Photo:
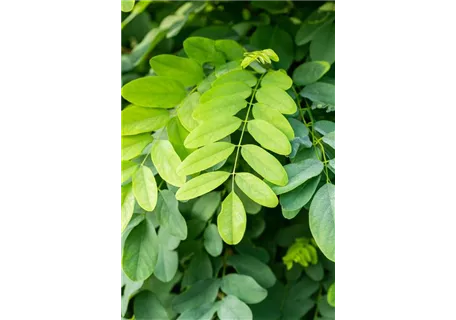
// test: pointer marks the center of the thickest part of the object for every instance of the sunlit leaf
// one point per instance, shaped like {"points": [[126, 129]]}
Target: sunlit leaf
{"points": [[201, 185], [269, 137], [232, 220], [256, 189]]}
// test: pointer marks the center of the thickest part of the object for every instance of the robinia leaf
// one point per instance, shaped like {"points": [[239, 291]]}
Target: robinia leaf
{"points": [[269, 137], [168, 215], [200, 49], [322, 46], [140, 251], [204, 207], [128, 168], [332, 295], [322, 220], [239, 89], [232, 220], [212, 131], [310, 72], [184, 70], [299, 197], [234, 309], [200, 268], [128, 204], [147, 306], [251, 266], [264, 164], [212, 241], [132, 146], [204, 291], [185, 111], [127, 5], [138, 120], [330, 139], [320, 92], [145, 188], [154, 92], [203, 312], [276, 98], [256, 189], [177, 135], [278, 79], [264, 112], [235, 76], [244, 287], [166, 161], [231, 49], [311, 25], [167, 264], [219, 107], [201, 185]]}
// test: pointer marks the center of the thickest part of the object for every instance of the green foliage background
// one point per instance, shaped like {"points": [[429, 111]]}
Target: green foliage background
{"points": [[197, 125]]}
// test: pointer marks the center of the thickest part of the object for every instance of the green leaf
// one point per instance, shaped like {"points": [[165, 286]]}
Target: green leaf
{"points": [[311, 25], [250, 206], [237, 76], [141, 51], [169, 241], [147, 307], [134, 120], [200, 268], [301, 137], [332, 165], [299, 197], [128, 168], [219, 107], [177, 135], [168, 215], [202, 292], [298, 173], [127, 5], [232, 220], [323, 44], [278, 79], [320, 92], [140, 252], [269, 137], [264, 112], [212, 241], [310, 72], [322, 220], [315, 271], [205, 206], [324, 126], [202, 50], [184, 70], [206, 157], [227, 67], [256, 189], [330, 139], [244, 287], [212, 131], [327, 311], [128, 204], [167, 264], [203, 312], [253, 267], [231, 49], [239, 89], [206, 84], [201, 185], [276, 98], [332, 295], [166, 161], [145, 188], [185, 111], [290, 214], [154, 92], [234, 309], [132, 146], [130, 289], [265, 164]]}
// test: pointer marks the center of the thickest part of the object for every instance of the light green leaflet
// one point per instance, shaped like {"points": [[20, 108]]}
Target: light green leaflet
{"points": [[251, 266], [201, 49], [310, 72], [205, 157], [128, 204], [322, 220], [185, 111], [168, 215], [234, 309], [167, 264], [264, 112], [322, 46], [265, 164], [278, 79], [219, 107], [134, 120], [276, 98], [166, 161], [227, 67], [147, 306], [212, 240], [154, 92], [212, 131], [244, 287], [184, 70], [127, 5], [237, 76], [128, 168], [332, 295], [140, 252], [299, 197], [231, 49], [145, 188], [177, 135], [239, 89], [204, 312], [298, 173], [132, 146], [206, 84], [201, 185], [202, 292], [232, 220], [320, 92], [330, 139], [256, 189], [269, 137]]}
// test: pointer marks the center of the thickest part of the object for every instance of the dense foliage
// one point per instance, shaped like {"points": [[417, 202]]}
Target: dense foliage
{"points": [[228, 160]]}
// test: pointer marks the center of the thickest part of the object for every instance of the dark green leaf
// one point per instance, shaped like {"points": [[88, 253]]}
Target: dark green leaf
{"points": [[243, 287], [253, 267], [202, 292], [299, 197], [310, 72], [168, 215], [232, 308], [322, 47], [147, 307], [212, 240]]}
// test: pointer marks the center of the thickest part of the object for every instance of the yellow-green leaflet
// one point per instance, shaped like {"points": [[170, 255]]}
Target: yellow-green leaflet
{"points": [[277, 78], [185, 110], [265, 164], [205, 157], [145, 188], [128, 168], [219, 107], [212, 131], [201, 185], [269, 137], [176, 135], [133, 145], [166, 161], [236, 76], [276, 98], [264, 112], [128, 204], [227, 89], [232, 220], [256, 189], [185, 70], [127, 5], [138, 120]]}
